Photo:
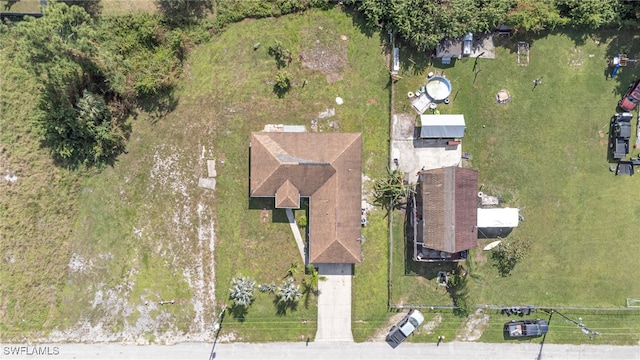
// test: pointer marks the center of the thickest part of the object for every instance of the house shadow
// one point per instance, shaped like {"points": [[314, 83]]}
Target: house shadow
{"points": [[431, 143], [428, 270], [494, 233], [268, 204]]}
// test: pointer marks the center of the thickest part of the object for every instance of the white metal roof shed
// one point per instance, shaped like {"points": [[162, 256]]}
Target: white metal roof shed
{"points": [[498, 218], [442, 126]]}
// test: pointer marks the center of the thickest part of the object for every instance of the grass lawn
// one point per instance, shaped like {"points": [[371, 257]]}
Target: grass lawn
{"points": [[614, 327], [236, 97], [123, 7], [546, 153], [21, 6], [34, 240]]}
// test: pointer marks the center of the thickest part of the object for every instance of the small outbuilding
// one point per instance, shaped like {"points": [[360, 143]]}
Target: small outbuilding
{"points": [[497, 222], [498, 217], [442, 126]]}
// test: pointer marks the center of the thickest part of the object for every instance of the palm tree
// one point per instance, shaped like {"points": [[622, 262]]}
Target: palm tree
{"points": [[391, 191], [293, 270], [311, 283]]}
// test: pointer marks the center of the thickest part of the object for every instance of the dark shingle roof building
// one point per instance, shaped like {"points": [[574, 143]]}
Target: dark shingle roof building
{"points": [[447, 201]]}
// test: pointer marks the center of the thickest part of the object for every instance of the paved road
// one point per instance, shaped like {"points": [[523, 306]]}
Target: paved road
{"points": [[328, 350]]}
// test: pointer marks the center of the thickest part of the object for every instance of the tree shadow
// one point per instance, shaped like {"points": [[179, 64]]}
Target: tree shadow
{"points": [[282, 307], [280, 91], [159, 105], [415, 62], [626, 43], [239, 312], [360, 23], [9, 4], [306, 296], [459, 292]]}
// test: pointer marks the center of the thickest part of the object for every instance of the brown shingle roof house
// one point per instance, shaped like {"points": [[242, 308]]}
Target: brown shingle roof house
{"points": [[447, 202], [326, 168]]}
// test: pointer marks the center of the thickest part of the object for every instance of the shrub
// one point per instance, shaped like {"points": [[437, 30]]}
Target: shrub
{"points": [[302, 220], [281, 54], [288, 292], [241, 291], [267, 288], [509, 254], [283, 83]]}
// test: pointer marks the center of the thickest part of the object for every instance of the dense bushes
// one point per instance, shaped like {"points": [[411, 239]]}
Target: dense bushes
{"points": [[423, 23], [91, 74], [230, 11]]}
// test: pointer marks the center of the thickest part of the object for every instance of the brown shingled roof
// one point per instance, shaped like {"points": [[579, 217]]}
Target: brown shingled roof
{"points": [[327, 168], [449, 208], [288, 196]]}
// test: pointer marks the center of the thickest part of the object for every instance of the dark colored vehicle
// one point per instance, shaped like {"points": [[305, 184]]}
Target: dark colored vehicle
{"points": [[631, 98], [620, 134], [522, 329], [405, 328]]}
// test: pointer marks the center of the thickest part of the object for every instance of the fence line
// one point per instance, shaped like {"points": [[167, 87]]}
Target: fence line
{"points": [[500, 307], [391, 111]]}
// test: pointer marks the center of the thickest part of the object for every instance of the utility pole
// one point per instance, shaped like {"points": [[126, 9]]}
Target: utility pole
{"points": [[585, 330]]}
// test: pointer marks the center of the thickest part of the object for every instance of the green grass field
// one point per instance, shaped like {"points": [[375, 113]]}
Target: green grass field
{"points": [[20, 6]]}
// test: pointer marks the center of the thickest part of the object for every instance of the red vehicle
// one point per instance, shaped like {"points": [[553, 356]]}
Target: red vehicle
{"points": [[631, 98]]}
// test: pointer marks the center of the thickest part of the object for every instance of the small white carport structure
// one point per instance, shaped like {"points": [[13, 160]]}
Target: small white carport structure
{"points": [[498, 218], [442, 126]]}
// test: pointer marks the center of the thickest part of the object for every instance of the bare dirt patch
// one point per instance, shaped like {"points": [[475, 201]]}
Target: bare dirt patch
{"points": [[334, 77], [264, 215], [576, 58], [381, 334], [473, 326], [324, 50], [404, 125], [480, 255], [431, 325]]}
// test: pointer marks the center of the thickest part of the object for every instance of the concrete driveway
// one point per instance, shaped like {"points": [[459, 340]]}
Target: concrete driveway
{"points": [[416, 154], [334, 303]]}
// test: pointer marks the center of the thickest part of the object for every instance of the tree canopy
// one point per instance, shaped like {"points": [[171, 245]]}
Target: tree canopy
{"points": [[92, 7], [91, 72], [423, 23]]}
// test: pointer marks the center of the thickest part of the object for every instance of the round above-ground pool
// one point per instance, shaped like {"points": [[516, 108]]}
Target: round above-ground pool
{"points": [[438, 88]]}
